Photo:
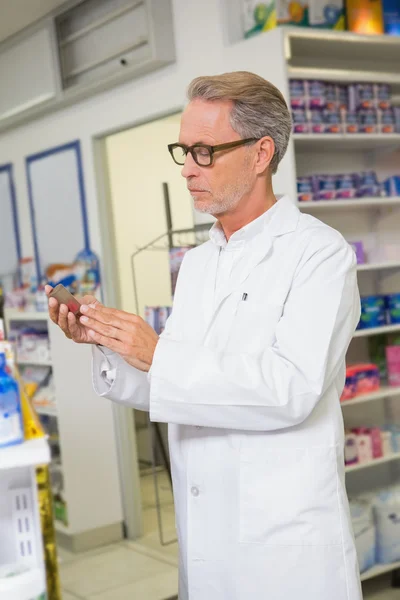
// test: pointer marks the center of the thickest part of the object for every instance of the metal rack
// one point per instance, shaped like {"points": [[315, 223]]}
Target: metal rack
{"points": [[171, 238]]}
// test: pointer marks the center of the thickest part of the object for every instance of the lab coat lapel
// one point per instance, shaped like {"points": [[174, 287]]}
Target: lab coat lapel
{"points": [[283, 221]]}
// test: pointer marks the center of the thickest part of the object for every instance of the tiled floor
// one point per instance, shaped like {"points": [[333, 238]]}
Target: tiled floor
{"points": [[129, 570], [146, 570]]}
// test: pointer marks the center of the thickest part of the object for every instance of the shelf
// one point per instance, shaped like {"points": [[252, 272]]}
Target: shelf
{"points": [[50, 411], [343, 75], [34, 363], [25, 586], [373, 463], [379, 266], [379, 570], [348, 204], [357, 53], [27, 454], [376, 330], [384, 392], [20, 315], [340, 142]]}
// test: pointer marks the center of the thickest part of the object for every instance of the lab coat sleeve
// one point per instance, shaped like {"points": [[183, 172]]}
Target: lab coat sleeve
{"points": [[118, 381], [279, 388]]}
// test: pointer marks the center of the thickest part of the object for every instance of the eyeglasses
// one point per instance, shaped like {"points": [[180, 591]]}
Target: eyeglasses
{"points": [[202, 154]]}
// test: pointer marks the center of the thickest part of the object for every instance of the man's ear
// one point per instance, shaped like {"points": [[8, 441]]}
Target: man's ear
{"points": [[265, 153]]}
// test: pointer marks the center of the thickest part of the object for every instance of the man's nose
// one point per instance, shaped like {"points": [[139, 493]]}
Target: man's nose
{"points": [[190, 168]]}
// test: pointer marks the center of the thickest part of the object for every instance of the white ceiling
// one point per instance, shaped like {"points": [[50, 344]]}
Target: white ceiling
{"points": [[17, 14]]}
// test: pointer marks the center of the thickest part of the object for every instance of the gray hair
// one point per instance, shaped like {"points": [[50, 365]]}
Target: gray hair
{"points": [[259, 109]]}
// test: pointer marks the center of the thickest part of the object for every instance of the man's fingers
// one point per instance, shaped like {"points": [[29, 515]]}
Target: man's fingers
{"points": [[109, 316], [109, 331], [53, 310], [48, 289], [63, 319], [108, 342], [74, 328]]}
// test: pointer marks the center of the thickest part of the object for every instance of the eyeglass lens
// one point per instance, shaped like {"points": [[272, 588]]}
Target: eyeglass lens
{"points": [[201, 155]]}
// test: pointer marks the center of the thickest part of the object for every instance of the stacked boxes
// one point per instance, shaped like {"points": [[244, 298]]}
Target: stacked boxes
{"points": [[324, 107]]}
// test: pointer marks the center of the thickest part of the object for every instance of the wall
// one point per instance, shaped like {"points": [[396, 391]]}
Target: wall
{"points": [[199, 31], [138, 164]]}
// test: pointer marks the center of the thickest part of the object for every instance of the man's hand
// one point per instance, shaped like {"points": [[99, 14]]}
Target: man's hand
{"points": [[127, 334], [67, 321]]}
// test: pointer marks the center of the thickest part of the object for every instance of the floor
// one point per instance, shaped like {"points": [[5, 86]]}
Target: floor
{"points": [[147, 570], [129, 570]]}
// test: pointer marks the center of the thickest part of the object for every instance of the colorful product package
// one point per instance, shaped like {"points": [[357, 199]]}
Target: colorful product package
{"points": [[300, 121], [386, 121], [316, 92], [360, 379], [364, 16], [376, 441], [364, 448], [346, 186], [151, 316], [373, 312], [382, 93], [316, 119], [327, 14], [368, 185], [368, 120], [332, 120], [358, 248], [292, 13], [392, 186], [393, 308], [305, 192], [393, 365], [258, 16], [350, 121], [298, 93], [350, 449], [391, 16], [325, 186], [163, 314], [361, 95], [176, 256]]}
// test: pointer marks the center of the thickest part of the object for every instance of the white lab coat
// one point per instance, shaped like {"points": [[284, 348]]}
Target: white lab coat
{"points": [[251, 391]]}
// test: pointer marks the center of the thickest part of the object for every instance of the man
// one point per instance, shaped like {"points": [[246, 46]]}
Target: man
{"points": [[250, 368]]}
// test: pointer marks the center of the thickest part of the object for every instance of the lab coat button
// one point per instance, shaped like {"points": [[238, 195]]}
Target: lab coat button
{"points": [[195, 491]]}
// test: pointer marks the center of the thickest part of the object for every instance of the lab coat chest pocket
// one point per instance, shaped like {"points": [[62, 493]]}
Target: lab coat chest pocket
{"points": [[253, 325], [288, 496]]}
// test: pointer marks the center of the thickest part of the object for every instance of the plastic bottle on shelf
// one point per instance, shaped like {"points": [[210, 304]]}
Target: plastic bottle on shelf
{"points": [[11, 426]]}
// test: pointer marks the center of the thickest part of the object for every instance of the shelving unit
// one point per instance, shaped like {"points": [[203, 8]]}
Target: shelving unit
{"points": [[377, 331], [373, 463], [384, 392], [84, 429], [20, 530], [335, 142], [344, 57], [348, 204]]}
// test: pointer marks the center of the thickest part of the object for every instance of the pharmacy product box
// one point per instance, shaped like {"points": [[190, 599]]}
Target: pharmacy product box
{"points": [[364, 16], [391, 16], [263, 16], [326, 14]]}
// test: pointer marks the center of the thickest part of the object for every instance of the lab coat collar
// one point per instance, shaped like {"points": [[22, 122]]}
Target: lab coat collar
{"points": [[279, 219], [283, 219]]}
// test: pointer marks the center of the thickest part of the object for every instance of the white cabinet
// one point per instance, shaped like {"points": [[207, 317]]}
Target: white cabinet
{"points": [[21, 548], [83, 428]]}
